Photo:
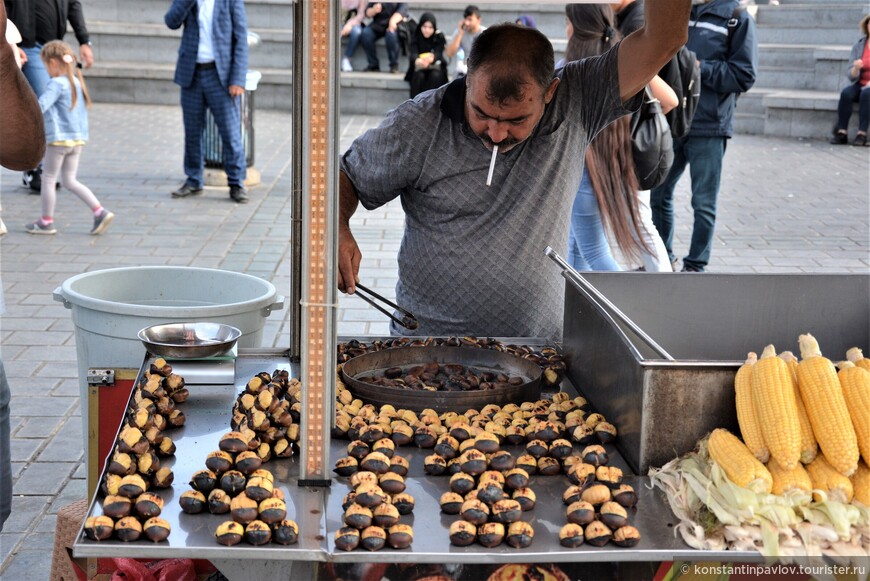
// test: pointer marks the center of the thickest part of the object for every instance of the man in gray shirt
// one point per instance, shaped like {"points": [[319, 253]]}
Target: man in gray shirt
{"points": [[471, 260]]}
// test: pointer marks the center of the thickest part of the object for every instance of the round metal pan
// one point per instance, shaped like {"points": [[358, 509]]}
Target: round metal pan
{"points": [[442, 401]]}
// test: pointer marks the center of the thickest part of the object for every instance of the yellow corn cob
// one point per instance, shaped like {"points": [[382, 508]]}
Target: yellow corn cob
{"points": [[827, 479], [741, 467], [857, 357], [750, 428], [861, 484], [820, 389], [856, 390], [787, 480], [776, 409], [809, 447]]}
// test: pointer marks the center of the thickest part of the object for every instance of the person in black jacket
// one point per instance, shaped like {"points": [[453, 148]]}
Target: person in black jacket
{"points": [[427, 67], [723, 38], [629, 15], [385, 16], [40, 21]]}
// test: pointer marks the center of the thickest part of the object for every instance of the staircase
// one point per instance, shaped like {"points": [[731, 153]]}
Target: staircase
{"points": [[803, 47]]}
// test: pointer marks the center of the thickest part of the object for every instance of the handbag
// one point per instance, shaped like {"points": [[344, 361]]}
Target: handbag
{"points": [[652, 145]]}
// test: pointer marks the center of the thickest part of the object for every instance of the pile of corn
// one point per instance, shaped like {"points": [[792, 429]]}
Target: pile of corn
{"points": [[798, 483]]}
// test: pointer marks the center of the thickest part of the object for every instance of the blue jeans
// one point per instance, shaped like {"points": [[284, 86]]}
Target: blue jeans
{"points": [[850, 95], [34, 69], [368, 38], [353, 40], [704, 157], [588, 248]]}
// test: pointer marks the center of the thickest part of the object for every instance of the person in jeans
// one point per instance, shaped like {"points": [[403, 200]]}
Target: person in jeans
{"points": [[40, 21], [355, 11], [728, 57], [858, 90], [385, 16]]}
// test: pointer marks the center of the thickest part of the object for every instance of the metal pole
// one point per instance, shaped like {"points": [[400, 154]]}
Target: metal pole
{"points": [[319, 301], [296, 205]]}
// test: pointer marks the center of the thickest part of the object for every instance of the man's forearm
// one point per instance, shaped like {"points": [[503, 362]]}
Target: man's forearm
{"points": [[22, 133], [347, 200]]}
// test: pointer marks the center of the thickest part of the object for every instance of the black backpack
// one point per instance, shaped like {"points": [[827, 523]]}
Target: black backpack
{"points": [[683, 74]]}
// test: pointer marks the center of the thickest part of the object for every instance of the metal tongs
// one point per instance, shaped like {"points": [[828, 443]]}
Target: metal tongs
{"points": [[408, 320], [588, 288]]}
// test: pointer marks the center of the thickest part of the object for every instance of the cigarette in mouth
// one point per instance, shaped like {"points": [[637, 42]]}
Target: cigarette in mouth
{"points": [[492, 165]]}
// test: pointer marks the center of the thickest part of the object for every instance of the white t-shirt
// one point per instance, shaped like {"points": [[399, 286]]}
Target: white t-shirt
{"points": [[205, 52]]}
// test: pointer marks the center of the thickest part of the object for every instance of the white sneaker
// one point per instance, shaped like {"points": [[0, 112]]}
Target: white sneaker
{"points": [[3, 230], [345, 65]]}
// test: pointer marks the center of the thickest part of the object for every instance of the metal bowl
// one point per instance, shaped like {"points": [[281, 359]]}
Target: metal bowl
{"points": [[189, 340], [441, 401]]}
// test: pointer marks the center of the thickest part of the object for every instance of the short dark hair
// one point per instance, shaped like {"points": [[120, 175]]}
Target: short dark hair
{"points": [[471, 9], [505, 49]]}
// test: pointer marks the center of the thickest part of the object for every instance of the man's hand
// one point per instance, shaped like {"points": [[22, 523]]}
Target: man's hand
{"points": [[236, 90], [349, 257], [87, 55], [461, 26], [374, 10]]}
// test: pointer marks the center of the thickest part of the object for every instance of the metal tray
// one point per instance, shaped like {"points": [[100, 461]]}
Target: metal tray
{"points": [[318, 511]]}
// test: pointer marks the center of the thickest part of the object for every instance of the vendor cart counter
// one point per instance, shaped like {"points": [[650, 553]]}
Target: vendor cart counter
{"points": [[318, 511]]}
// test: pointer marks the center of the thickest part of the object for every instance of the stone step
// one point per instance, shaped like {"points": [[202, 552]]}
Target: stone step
{"points": [[807, 34], [788, 78], [799, 55], [260, 14], [155, 43], [839, 16]]}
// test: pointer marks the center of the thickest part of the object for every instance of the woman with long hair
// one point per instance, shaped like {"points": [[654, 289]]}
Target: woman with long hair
{"points": [[608, 195]]}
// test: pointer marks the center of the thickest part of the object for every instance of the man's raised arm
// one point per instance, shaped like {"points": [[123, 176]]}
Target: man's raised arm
{"points": [[644, 52]]}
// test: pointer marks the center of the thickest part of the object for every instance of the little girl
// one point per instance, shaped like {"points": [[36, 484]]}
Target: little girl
{"points": [[64, 106]]}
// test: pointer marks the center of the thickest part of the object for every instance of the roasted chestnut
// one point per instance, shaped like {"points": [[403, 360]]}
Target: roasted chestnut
{"points": [[486, 442], [474, 511], [373, 538], [258, 488], [99, 528], [597, 533], [583, 434], [609, 475], [132, 486], [117, 506], [516, 478], [385, 446], [520, 535], [399, 465], [192, 501], [218, 501], [571, 494], [425, 437], [121, 464], [247, 462], [625, 495], [626, 536], [385, 515], [363, 477], [358, 517], [490, 534], [148, 504], [203, 481], [581, 474], [272, 510], [461, 483], [605, 432], [473, 461], [402, 435], [128, 529], [580, 512], [490, 492], [571, 535], [451, 502], [163, 478], [462, 533], [285, 532], [358, 449], [596, 494], [232, 482], [375, 462], [391, 483], [258, 533], [404, 502], [506, 511], [561, 448], [435, 464], [156, 529], [370, 495], [400, 536], [526, 497], [244, 509], [346, 466], [233, 442], [347, 538], [502, 460], [549, 466], [613, 515], [528, 463], [537, 449], [595, 455]]}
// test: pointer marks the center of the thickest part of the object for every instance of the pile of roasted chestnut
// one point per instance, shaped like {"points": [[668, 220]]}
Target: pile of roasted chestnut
{"points": [[441, 377], [373, 508], [549, 358], [268, 410], [130, 508], [233, 482]]}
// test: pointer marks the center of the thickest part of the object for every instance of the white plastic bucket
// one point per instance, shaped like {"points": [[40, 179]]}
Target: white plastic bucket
{"points": [[109, 307]]}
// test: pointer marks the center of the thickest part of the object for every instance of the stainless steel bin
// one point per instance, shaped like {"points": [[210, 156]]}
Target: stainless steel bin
{"points": [[707, 323]]}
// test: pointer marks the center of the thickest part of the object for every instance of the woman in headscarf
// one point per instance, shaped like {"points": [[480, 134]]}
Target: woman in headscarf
{"points": [[427, 67]]}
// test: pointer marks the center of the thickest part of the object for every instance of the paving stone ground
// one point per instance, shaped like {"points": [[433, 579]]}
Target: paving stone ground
{"points": [[786, 205]]}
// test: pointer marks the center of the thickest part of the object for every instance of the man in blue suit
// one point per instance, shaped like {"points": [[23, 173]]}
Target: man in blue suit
{"points": [[211, 69]]}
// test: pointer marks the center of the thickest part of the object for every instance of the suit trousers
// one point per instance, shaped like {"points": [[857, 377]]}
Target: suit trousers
{"points": [[206, 91]]}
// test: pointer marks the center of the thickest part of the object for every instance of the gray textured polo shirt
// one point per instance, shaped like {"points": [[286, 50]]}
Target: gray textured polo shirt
{"points": [[472, 257]]}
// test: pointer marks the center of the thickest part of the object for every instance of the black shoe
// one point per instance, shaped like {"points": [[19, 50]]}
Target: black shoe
{"points": [[839, 139], [394, 69], [238, 194], [373, 69], [687, 268], [860, 140], [186, 190], [33, 179]]}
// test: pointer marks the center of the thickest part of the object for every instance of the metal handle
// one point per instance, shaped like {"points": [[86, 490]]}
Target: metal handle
{"points": [[408, 320], [568, 271]]}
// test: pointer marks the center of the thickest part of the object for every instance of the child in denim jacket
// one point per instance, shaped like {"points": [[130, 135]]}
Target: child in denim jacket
{"points": [[64, 106]]}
